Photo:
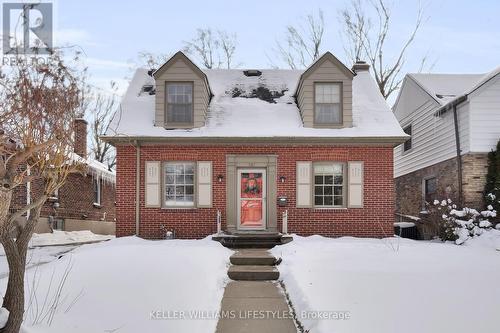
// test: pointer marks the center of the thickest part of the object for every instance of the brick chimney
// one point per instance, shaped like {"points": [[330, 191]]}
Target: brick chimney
{"points": [[360, 66], [80, 144]]}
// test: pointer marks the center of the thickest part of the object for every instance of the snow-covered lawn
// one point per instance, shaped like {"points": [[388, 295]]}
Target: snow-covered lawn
{"points": [[46, 247], [116, 286], [394, 285], [67, 237]]}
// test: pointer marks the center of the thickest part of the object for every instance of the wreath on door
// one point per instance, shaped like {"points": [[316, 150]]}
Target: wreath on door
{"points": [[252, 186]]}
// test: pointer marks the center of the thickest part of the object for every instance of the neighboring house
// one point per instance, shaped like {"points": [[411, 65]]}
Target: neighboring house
{"points": [[84, 202], [454, 121], [252, 144]]}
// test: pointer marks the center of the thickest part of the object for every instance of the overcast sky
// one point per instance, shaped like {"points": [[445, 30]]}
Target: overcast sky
{"points": [[459, 36]]}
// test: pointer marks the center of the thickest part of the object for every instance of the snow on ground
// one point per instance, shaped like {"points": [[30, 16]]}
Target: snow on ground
{"points": [[35, 257], [66, 237], [394, 285], [115, 286], [46, 247]]}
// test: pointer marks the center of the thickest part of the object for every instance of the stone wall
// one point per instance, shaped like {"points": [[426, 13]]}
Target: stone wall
{"points": [[409, 188], [474, 170], [409, 197]]}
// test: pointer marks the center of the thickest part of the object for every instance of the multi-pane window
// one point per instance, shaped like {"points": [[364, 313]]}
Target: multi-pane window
{"points": [[430, 189], [97, 191], [179, 184], [329, 185], [407, 144], [327, 99], [179, 102]]}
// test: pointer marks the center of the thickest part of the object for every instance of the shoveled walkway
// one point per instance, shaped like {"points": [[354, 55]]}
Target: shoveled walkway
{"points": [[255, 302]]}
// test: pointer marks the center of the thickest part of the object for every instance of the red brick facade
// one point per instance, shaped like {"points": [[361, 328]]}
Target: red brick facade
{"points": [[375, 219], [75, 198]]}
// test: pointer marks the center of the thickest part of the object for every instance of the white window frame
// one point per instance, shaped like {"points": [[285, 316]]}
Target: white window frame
{"points": [[175, 203], [344, 185], [97, 194], [403, 149]]}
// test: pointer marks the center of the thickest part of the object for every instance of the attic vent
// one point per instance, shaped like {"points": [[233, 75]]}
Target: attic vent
{"points": [[440, 96], [252, 72], [148, 88]]}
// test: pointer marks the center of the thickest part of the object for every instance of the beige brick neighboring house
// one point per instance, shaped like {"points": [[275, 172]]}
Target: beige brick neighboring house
{"points": [[454, 121]]}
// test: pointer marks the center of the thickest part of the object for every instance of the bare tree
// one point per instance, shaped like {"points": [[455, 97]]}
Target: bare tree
{"points": [[227, 44], [38, 104], [366, 36], [148, 60], [302, 45], [213, 50], [100, 108]]}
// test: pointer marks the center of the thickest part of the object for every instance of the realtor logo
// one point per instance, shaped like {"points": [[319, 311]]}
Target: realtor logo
{"points": [[27, 28]]}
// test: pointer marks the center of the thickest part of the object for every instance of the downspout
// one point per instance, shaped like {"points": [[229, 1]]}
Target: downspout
{"points": [[137, 185], [459, 156]]}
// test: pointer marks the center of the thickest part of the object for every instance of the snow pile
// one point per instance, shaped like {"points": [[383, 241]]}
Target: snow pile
{"points": [[66, 237], [230, 116], [133, 285], [489, 239], [393, 285]]}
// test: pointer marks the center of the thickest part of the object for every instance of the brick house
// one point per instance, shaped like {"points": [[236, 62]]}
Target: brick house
{"points": [[84, 202], [252, 144], [454, 121]]}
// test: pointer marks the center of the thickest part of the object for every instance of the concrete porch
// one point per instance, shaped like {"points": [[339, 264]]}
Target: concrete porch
{"points": [[254, 239]]}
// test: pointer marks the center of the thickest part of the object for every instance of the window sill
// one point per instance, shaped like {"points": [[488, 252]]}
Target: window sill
{"points": [[333, 125], [330, 208], [96, 205], [179, 208], [172, 126]]}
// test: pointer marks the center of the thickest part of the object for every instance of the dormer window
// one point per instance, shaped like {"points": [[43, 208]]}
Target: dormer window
{"points": [[179, 104], [327, 103]]}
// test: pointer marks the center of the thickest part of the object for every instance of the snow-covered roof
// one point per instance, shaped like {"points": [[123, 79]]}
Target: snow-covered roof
{"points": [[95, 168], [237, 117], [446, 88]]}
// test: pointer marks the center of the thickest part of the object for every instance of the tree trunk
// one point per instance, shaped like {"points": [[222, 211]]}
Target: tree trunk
{"points": [[16, 251], [14, 297]]}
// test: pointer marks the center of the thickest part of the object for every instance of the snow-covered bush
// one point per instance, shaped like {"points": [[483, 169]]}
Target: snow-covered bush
{"points": [[492, 185], [450, 223]]}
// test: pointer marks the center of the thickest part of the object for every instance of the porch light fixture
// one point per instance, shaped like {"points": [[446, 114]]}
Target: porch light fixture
{"points": [[220, 178], [282, 179]]}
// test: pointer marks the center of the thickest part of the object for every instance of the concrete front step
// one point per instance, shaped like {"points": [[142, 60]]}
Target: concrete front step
{"points": [[252, 257], [252, 240], [253, 273]]}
